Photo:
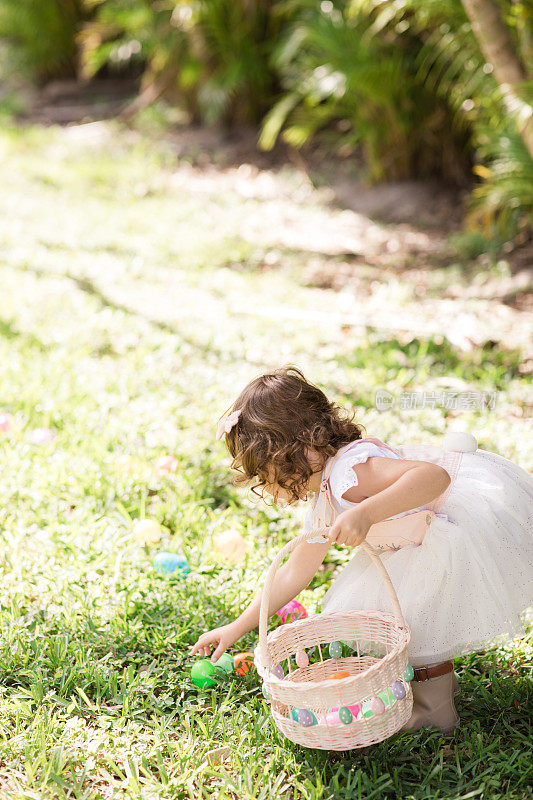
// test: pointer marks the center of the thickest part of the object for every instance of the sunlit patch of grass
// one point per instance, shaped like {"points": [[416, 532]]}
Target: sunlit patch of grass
{"points": [[126, 327]]}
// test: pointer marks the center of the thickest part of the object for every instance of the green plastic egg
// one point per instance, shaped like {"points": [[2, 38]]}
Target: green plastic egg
{"points": [[408, 673], [335, 650], [345, 715], [226, 663], [265, 691], [202, 672]]}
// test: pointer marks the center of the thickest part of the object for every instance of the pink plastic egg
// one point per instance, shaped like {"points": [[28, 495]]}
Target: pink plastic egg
{"points": [[377, 705], [302, 659], [292, 611], [164, 465], [6, 421], [41, 436], [332, 717]]}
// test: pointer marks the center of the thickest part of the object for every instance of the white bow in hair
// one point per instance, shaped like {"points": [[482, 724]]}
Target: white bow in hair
{"points": [[227, 423]]}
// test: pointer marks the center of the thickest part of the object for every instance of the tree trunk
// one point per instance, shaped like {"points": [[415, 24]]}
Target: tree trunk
{"points": [[497, 47]]}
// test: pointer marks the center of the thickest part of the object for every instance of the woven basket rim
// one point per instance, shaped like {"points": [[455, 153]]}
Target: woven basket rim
{"points": [[278, 633]]}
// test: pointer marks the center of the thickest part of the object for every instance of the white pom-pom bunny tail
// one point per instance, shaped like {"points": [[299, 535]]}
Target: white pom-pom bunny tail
{"points": [[460, 442]]}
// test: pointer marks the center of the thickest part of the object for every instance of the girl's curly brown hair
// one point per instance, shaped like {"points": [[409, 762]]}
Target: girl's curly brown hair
{"points": [[282, 415]]}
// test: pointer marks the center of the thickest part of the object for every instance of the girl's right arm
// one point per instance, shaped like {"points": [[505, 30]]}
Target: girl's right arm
{"points": [[290, 579]]}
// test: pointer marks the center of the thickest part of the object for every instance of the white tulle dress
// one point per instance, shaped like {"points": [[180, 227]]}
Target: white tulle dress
{"points": [[470, 583]]}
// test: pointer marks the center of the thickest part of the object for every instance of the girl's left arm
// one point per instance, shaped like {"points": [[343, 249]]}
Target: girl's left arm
{"points": [[386, 486]]}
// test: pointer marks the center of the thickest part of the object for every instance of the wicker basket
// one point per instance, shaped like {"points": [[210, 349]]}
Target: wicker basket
{"points": [[309, 706]]}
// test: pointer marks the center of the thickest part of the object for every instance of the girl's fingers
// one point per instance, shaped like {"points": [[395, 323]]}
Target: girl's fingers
{"points": [[201, 647], [218, 652]]}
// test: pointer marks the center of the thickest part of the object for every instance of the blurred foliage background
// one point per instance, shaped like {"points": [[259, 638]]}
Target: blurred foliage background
{"points": [[408, 85]]}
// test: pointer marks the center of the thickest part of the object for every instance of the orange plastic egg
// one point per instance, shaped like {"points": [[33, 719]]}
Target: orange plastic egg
{"points": [[244, 663], [164, 465], [231, 546], [338, 675]]}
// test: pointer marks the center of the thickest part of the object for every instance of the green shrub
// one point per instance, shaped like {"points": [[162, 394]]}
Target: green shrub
{"points": [[41, 35], [210, 55], [405, 81], [345, 71]]}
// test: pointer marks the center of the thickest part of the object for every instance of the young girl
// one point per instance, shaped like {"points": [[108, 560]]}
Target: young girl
{"points": [[464, 587]]}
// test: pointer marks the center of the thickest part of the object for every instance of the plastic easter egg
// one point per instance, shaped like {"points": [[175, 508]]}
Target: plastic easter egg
{"points": [[226, 663], [460, 442], [345, 715], [244, 663], [335, 650], [202, 673], [333, 717], [146, 531], [408, 673], [41, 436], [398, 690], [338, 675], [278, 671], [294, 714], [292, 611], [231, 545], [168, 563], [6, 422], [377, 705], [126, 463], [306, 718], [302, 659], [164, 465], [266, 693]]}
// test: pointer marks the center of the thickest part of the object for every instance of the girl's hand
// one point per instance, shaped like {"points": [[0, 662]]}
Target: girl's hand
{"points": [[222, 638], [350, 527]]}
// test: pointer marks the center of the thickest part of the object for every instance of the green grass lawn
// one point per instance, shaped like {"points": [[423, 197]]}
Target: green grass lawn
{"points": [[135, 302]]}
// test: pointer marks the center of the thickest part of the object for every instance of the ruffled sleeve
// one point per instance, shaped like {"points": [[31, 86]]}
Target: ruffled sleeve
{"points": [[343, 475]]}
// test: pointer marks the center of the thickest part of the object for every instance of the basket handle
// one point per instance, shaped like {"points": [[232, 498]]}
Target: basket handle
{"points": [[317, 535]]}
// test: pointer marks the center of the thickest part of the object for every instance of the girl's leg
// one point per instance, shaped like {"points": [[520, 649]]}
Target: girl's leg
{"points": [[455, 682], [433, 693]]}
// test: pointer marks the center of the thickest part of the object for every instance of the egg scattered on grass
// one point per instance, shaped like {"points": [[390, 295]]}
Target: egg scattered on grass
{"points": [[202, 673], [244, 663], [125, 463], [170, 563], [231, 546], [205, 673], [164, 465], [147, 531], [6, 422], [225, 662], [292, 611], [41, 436]]}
